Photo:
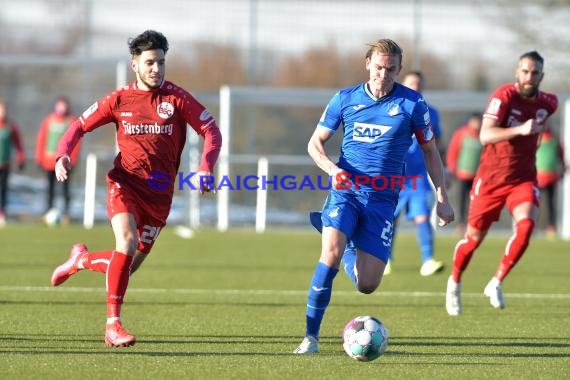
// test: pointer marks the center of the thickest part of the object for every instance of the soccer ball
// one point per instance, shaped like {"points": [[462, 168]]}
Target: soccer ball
{"points": [[53, 217], [365, 338]]}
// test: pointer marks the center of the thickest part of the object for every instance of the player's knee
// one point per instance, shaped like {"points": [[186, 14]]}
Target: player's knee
{"points": [[474, 237], [525, 227], [468, 243], [127, 245], [367, 287]]}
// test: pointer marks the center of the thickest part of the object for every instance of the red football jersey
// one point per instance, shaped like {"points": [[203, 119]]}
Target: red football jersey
{"points": [[513, 160], [151, 133]]}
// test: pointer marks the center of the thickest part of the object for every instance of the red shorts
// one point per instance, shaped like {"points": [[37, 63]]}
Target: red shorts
{"points": [[149, 217], [488, 200]]}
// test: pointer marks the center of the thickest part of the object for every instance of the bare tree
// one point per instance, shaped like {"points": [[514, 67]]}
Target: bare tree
{"points": [[543, 25]]}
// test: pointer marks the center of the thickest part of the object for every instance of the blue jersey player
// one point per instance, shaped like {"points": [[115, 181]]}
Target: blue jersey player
{"points": [[379, 118], [416, 199]]}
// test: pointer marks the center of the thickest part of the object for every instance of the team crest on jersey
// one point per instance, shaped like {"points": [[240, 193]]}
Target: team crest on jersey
{"points": [[368, 132], [541, 115], [165, 110], [333, 213], [393, 110]]}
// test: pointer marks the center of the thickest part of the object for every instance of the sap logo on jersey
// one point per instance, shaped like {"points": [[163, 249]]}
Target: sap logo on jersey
{"points": [[368, 132]]}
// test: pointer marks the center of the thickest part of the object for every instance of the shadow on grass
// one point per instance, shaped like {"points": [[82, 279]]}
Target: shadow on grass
{"points": [[130, 352], [164, 339], [156, 303], [482, 341], [397, 348]]}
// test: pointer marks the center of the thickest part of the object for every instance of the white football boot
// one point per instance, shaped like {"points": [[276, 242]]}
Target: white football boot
{"points": [[494, 291], [453, 297], [431, 267], [309, 345]]}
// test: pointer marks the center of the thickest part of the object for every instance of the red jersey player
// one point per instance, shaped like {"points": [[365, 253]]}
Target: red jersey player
{"points": [[150, 116], [512, 124]]}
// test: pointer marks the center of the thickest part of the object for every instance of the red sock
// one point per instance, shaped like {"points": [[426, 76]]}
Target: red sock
{"points": [[97, 261], [118, 274], [463, 252], [516, 246]]}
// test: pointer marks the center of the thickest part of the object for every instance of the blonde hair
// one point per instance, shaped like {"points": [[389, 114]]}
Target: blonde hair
{"points": [[385, 46]]}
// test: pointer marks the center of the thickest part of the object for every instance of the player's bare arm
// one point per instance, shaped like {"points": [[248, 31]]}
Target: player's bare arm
{"points": [[434, 167], [492, 133], [316, 149]]}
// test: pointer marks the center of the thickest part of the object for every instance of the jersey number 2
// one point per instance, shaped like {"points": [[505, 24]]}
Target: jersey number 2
{"points": [[149, 234], [386, 235]]}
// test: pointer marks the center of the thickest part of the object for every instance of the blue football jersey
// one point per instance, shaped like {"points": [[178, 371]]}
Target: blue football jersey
{"points": [[414, 159], [377, 131]]}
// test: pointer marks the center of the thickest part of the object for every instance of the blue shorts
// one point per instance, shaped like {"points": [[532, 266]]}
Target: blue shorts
{"points": [[365, 218], [414, 203]]}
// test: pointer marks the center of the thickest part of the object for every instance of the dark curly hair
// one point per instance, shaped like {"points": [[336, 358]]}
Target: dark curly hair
{"points": [[534, 55], [147, 40]]}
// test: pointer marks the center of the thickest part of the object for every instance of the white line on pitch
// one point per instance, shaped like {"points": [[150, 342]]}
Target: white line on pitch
{"points": [[262, 292]]}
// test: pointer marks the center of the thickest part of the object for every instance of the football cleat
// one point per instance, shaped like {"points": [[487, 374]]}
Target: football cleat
{"points": [[116, 336], [453, 297], [431, 267], [69, 268], [309, 345], [494, 291]]}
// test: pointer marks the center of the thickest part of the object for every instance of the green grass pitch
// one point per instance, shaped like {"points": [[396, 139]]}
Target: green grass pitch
{"points": [[231, 305]]}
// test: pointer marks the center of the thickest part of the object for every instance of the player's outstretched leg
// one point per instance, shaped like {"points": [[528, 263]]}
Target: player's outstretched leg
{"points": [[318, 299], [515, 249], [462, 255], [118, 274], [71, 266], [349, 256]]}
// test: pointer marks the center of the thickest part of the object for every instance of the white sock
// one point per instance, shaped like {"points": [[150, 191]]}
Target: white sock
{"points": [[112, 320]]}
